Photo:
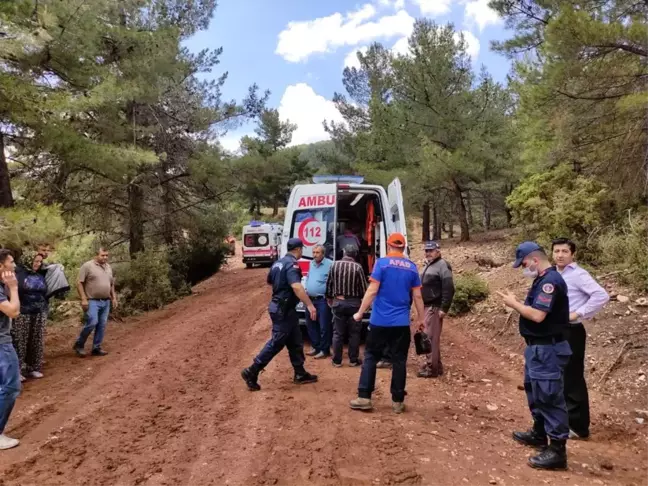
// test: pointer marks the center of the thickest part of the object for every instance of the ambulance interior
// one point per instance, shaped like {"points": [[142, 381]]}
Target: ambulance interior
{"points": [[361, 212]]}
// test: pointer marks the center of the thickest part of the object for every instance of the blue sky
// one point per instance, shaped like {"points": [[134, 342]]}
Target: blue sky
{"points": [[298, 48]]}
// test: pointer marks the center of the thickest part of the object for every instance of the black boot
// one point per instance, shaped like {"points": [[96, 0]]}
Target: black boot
{"points": [[535, 437], [250, 376], [553, 457], [304, 377]]}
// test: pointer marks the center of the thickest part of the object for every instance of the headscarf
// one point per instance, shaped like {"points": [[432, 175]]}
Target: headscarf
{"points": [[27, 259]]}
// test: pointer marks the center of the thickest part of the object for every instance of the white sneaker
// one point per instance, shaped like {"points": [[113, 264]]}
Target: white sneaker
{"points": [[36, 374], [7, 442]]}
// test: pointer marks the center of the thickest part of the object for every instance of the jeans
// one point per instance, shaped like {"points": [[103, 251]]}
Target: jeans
{"points": [[397, 339], [575, 386], [285, 332], [319, 331], [96, 319], [9, 382], [344, 322], [544, 367]]}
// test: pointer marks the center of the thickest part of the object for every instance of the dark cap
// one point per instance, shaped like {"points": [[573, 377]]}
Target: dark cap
{"points": [[295, 243], [432, 245], [523, 250]]}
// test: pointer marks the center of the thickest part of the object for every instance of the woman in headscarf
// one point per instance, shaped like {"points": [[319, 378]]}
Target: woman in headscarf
{"points": [[28, 329]]}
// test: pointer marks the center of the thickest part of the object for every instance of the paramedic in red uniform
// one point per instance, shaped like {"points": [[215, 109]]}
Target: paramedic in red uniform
{"points": [[395, 282]]}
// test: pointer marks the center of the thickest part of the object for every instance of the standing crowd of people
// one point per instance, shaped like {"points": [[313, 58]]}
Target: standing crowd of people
{"points": [[337, 295], [26, 287]]}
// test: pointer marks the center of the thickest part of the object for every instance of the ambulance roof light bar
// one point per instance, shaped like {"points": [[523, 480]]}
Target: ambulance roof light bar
{"points": [[256, 224], [329, 179]]}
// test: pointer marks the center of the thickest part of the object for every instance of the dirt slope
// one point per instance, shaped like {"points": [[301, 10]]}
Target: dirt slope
{"points": [[167, 406]]}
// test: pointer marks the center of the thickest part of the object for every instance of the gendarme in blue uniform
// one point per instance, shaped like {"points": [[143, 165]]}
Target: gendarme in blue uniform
{"points": [[547, 353]]}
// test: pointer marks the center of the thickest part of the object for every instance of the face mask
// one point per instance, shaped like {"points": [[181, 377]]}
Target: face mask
{"points": [[530, 272]]}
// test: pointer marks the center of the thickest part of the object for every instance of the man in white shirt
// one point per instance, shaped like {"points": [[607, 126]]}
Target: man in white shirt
{"points": [[586, 298]]}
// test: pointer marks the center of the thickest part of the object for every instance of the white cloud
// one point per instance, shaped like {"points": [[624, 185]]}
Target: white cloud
{"points": [[299, 40], [478, 12], [401, 47], [305, 108], [231, 143], [472, 43], [397, 4], [433, 8], [351, 59]]}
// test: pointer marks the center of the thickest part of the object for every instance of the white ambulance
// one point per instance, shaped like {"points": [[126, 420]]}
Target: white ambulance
{"points": [[318, 213], [261, 243]]}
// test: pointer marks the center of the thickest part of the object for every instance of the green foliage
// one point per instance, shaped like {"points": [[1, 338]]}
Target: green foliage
{"points": [[27, 226], [144, 282], [469, 289], [558, 203]]}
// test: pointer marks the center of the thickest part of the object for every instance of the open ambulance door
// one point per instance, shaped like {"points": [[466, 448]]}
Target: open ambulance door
{"points": [[396, 208]]}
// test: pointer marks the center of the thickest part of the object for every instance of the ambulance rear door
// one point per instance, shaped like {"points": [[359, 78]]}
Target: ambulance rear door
{"points": [[396, 208]]}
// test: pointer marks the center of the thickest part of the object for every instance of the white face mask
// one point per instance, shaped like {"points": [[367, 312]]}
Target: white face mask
{"points": [[530, 272]]}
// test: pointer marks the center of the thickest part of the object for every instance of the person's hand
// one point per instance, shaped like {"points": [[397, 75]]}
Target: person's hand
{"points": [[10, 280], [312, 311], [114, 303], [421, 326], [357, 316], [441, 314], [329, 302], [84, 305], [573, 316], [508, 298]]}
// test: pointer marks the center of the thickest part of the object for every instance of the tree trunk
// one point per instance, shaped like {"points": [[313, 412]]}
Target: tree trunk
{"points": [[425, 234], [136, 217], [471, 223], [463, 213], [436, 224], [275, 208], [509, 216], [487, 211], [6, 198], [451, 229], [167, 207]]}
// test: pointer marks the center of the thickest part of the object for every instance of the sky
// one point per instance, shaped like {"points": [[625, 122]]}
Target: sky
{"points": [[298, 49]]}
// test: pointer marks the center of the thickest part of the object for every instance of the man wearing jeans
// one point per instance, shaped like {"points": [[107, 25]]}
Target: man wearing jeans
{"points": [[394, 283], [9, 366], [345, 287], [319, 329], [96, 287]]}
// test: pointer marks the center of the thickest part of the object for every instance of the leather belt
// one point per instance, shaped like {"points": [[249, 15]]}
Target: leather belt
{"points": [[542, 341]]}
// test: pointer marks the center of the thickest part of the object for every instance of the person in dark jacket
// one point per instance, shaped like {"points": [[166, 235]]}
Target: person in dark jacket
{"points": [[28, 330], [438, 291]]}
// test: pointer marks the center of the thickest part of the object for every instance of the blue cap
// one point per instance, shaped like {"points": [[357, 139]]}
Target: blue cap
{"points": [[523, 250], [295, 243], [432, 245]]}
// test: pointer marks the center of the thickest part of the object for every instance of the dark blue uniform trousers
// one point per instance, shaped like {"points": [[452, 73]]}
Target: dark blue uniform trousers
{"points": [[544, 369], [285, 332]]}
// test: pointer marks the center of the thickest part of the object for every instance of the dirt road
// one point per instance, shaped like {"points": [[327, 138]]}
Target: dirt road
{"points": [[168, 406]]}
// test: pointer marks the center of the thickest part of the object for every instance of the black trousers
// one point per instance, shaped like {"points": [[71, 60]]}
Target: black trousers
{"points": [[576, 394], [397, 339]]}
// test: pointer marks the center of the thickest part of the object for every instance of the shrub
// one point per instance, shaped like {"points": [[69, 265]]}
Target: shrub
{"points": [[144, 282], [469, 289]]}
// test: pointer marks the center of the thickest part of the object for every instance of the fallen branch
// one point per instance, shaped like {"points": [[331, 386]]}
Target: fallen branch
{"points": [[614, 363], [506, 324]]}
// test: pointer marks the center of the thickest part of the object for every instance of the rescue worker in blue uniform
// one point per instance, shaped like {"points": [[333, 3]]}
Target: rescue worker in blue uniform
{"points": [[285, 277], [544, 321]]}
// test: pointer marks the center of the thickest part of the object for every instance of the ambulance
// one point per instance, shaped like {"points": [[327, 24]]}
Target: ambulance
{"points": [[261, 243], [317, 213]]}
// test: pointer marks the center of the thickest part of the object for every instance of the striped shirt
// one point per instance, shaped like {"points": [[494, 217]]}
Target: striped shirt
{"points": [[346, 278]]}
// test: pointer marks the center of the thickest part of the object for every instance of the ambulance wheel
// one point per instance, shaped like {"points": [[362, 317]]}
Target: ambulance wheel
{"points": [[248, 265]]}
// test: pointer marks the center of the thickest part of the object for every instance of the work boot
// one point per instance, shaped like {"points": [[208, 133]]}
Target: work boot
{"points": [[7, 442], [305, 377], [532, 437], [79, 351], [312, 352], [99, 352], [361, 404], [250, 376], [398, 407], [578, 436], [553, 457], [384, 365], [356, 363], [426, 372]]}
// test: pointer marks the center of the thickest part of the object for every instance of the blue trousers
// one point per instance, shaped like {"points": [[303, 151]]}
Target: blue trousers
{"points": [[9, 382], [96, 319], [320, 331], [285, 333], [544, 368]]}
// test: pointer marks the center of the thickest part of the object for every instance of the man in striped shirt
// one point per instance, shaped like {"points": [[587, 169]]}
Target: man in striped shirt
{"points": [[345, 287]]}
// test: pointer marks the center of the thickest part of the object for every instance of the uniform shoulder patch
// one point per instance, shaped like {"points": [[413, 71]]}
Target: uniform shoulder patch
{"points": [[548, 288]]}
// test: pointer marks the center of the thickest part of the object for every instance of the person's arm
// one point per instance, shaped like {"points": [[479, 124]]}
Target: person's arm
{"points": [[447, 290], [301, 294], [598, 297], [367, 300], [10, 307], [330, 279], [113, 295], [417, 296], [526, 311], [83, 274], [361, 279]]}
